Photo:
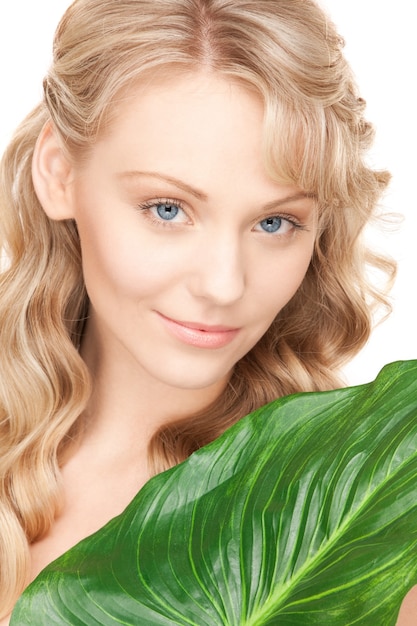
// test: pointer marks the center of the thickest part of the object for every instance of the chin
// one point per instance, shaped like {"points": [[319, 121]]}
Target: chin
{"points": [[189, 378]]}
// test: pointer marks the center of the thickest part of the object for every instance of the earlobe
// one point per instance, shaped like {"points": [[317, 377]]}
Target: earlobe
{"points": [[52, 176]]}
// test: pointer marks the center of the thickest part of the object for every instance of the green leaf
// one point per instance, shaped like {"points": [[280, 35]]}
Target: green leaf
{"points": [[305, 512]]}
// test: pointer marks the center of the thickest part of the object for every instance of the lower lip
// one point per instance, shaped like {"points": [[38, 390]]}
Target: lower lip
{"points": [[199, 338]]}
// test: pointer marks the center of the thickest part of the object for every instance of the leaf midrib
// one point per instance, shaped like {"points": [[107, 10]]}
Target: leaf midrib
{"points": [[281, 593]]}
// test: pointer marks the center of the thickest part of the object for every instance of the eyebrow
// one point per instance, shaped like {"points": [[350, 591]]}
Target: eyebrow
{"points": [[200, 195], [301, 195]]}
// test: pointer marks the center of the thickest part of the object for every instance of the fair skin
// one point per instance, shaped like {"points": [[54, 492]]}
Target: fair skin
{"points": [[189, 252], [186, 267], [408, 611]]}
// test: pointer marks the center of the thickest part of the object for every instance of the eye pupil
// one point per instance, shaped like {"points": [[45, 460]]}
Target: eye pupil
{"points": [[167, 211], [271, 224]]}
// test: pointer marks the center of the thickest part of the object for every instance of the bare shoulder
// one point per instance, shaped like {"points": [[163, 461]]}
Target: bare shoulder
{"points": [[408, 612]]}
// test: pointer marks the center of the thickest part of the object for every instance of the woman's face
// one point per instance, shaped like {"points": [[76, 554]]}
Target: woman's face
{"points": [[189, 249]]}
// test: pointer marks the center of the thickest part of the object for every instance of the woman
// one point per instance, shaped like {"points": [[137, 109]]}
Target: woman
{"points": [[182, 214]]}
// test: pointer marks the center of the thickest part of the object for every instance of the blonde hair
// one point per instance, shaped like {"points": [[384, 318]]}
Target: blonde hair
{"points": [[315, 137]]}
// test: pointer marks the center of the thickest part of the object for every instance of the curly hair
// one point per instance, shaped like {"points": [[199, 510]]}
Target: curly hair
{"points": [[315, 136]]}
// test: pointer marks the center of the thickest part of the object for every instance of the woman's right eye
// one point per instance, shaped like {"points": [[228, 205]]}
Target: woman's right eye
{"points": [[164, 211]]}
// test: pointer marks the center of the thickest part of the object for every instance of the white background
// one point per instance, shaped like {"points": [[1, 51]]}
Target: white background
{"points": [[380, 44]]}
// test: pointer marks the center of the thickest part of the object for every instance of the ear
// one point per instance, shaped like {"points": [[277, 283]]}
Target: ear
{"points": [[52, 175]]}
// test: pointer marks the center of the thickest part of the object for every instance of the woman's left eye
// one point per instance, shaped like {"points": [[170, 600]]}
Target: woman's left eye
{"points": [[276, 225]]}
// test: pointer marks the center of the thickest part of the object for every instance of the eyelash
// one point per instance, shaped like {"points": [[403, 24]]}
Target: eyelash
{"points": [[149, 204], [296, 224]]}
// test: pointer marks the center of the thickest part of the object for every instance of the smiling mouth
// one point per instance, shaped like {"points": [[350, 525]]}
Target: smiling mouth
{"points": [[199, 335]]}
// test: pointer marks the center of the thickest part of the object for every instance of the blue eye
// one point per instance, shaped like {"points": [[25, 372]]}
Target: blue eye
{"points": [[167, 211], [271, 224], [164, 212]]}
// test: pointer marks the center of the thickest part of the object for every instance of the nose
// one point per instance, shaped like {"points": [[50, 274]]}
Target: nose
{"points": [[218, 272]]}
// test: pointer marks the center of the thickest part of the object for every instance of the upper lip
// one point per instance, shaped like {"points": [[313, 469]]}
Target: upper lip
{"points": [[213, 328]]}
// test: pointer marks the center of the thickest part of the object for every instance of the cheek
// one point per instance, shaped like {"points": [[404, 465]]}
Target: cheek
{"points": [[108, 263], [280, 281], [118, 262]]}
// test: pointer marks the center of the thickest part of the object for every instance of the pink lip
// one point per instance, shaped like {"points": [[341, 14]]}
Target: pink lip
{"points": [[200, 335]]}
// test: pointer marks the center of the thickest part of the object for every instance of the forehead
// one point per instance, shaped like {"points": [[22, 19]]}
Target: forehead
{"points": [[202, 118], [184, 99], [202, 129]]}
